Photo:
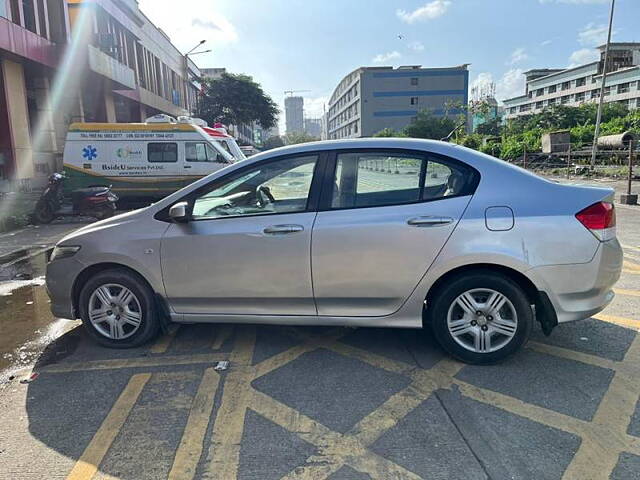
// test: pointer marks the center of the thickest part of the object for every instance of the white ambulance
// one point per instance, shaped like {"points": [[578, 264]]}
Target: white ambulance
{"points": [[146, 160]]}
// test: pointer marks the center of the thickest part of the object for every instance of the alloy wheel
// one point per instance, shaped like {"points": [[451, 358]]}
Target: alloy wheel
{"points": [[482, 320], [115, 311]]}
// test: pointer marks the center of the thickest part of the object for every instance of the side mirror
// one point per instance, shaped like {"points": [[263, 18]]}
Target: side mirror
{"points": [[178, 212]]}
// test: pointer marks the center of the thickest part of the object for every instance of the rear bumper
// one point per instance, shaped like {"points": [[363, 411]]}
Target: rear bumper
{"points": [[578, 291]]}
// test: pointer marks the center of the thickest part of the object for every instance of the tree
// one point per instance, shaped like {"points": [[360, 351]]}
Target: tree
{"points": [[236, 99], [272, 142], [490, 127], [425, 125], [298, 137]]}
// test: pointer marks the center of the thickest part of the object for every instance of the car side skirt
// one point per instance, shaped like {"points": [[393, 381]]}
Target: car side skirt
{"points": [[392, 321]]}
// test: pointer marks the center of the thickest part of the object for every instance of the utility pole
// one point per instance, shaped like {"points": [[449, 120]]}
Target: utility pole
{"points": [[594, 149]]}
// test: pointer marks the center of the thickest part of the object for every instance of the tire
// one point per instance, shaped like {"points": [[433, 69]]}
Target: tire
{"points": [[114, 325], [43, 214], [507, 328]]}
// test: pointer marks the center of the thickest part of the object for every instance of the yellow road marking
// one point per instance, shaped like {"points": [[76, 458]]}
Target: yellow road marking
{"points": [[598, 455], [162, 344], [622, 321], [574, 355], [191, 445], [630, 247], [631, 266], [334, 448], [87, 465], [631, 293], [222, 335], [224, 452], [141, 362], [632, 272]]}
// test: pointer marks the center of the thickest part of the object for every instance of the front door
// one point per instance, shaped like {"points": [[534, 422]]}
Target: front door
{"points": [[247, 247], [201, 159], [388, 215]]}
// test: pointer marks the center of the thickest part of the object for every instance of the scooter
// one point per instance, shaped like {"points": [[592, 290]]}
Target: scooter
{"points": [[97, 201]]}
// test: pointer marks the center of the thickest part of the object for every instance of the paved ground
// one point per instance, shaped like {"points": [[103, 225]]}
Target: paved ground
{"points": [[38, 236], [328, 403]]}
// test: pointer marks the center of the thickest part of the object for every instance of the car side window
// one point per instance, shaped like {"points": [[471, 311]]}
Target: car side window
{"points": [[444, 180], [280, 186], [376, 179], [365, 179]]}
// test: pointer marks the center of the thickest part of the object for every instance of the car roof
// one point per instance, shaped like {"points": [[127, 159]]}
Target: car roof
{"points": [[406, 143]]}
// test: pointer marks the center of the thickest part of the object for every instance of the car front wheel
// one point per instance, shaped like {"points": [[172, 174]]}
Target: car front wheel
{"points": [[117, 309], [481, 317]]}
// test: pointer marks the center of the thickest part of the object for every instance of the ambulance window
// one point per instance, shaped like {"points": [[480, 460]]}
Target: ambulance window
{"points": [[195, 152], [162, 152], [224, 145], [213, 155]]}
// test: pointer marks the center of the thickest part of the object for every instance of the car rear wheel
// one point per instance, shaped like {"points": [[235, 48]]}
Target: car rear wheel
{"points": [[480, 317], [118, 310]]}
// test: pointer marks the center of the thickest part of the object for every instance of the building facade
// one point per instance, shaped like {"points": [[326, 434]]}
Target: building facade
{"points": [[294, 114], [371, 99], [578, 85], [80, 60]]}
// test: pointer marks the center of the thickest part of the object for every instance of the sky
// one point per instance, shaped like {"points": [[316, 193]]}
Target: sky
{"points": [[312, 44]]}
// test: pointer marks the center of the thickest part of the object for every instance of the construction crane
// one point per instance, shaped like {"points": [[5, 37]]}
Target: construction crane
{"points": [[291, 92]]}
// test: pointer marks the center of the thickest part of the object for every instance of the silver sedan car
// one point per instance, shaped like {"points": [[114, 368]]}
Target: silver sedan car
{"points": [[368, 232]]}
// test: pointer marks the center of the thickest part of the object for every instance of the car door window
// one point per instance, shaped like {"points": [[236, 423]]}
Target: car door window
{"points": [[280, 186], [373, 179], [378, 179]]}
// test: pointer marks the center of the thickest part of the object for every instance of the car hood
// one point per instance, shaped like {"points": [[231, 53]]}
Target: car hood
{"points": [[102, 225]]}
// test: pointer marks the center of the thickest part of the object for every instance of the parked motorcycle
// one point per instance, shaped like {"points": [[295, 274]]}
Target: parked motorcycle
{"points": [[97, 201]]}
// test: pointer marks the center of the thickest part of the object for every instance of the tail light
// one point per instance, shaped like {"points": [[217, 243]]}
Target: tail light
{"points": [[599, 219]]}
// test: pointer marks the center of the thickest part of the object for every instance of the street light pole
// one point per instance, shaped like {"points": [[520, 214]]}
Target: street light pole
{"points": [[594, 149], [186, 74]]}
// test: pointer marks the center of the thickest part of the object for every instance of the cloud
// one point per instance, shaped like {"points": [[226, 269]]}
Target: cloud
{"points": [[193, 21], [416, 46], [582, 56], [517, 56], [592, 35], [511, 84], [428, 11], [385, 57], [545, 43], [482, 81]]}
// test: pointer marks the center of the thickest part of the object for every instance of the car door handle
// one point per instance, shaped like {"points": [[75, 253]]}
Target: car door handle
{"points": [[283, 229], [429, 221], [187, 166]]}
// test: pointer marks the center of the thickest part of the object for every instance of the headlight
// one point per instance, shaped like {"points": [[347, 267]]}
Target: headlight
{"points": [[60, 251]]}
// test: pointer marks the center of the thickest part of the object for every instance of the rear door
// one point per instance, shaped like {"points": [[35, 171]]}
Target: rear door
{"points": [[385, 215]]}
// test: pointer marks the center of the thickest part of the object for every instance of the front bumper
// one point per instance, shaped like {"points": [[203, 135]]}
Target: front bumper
{"points": [[578, 291], [60, 278]]}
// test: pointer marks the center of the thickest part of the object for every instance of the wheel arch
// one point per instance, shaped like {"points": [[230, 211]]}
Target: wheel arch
{"points": [[543, 309], [92, 270]]}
